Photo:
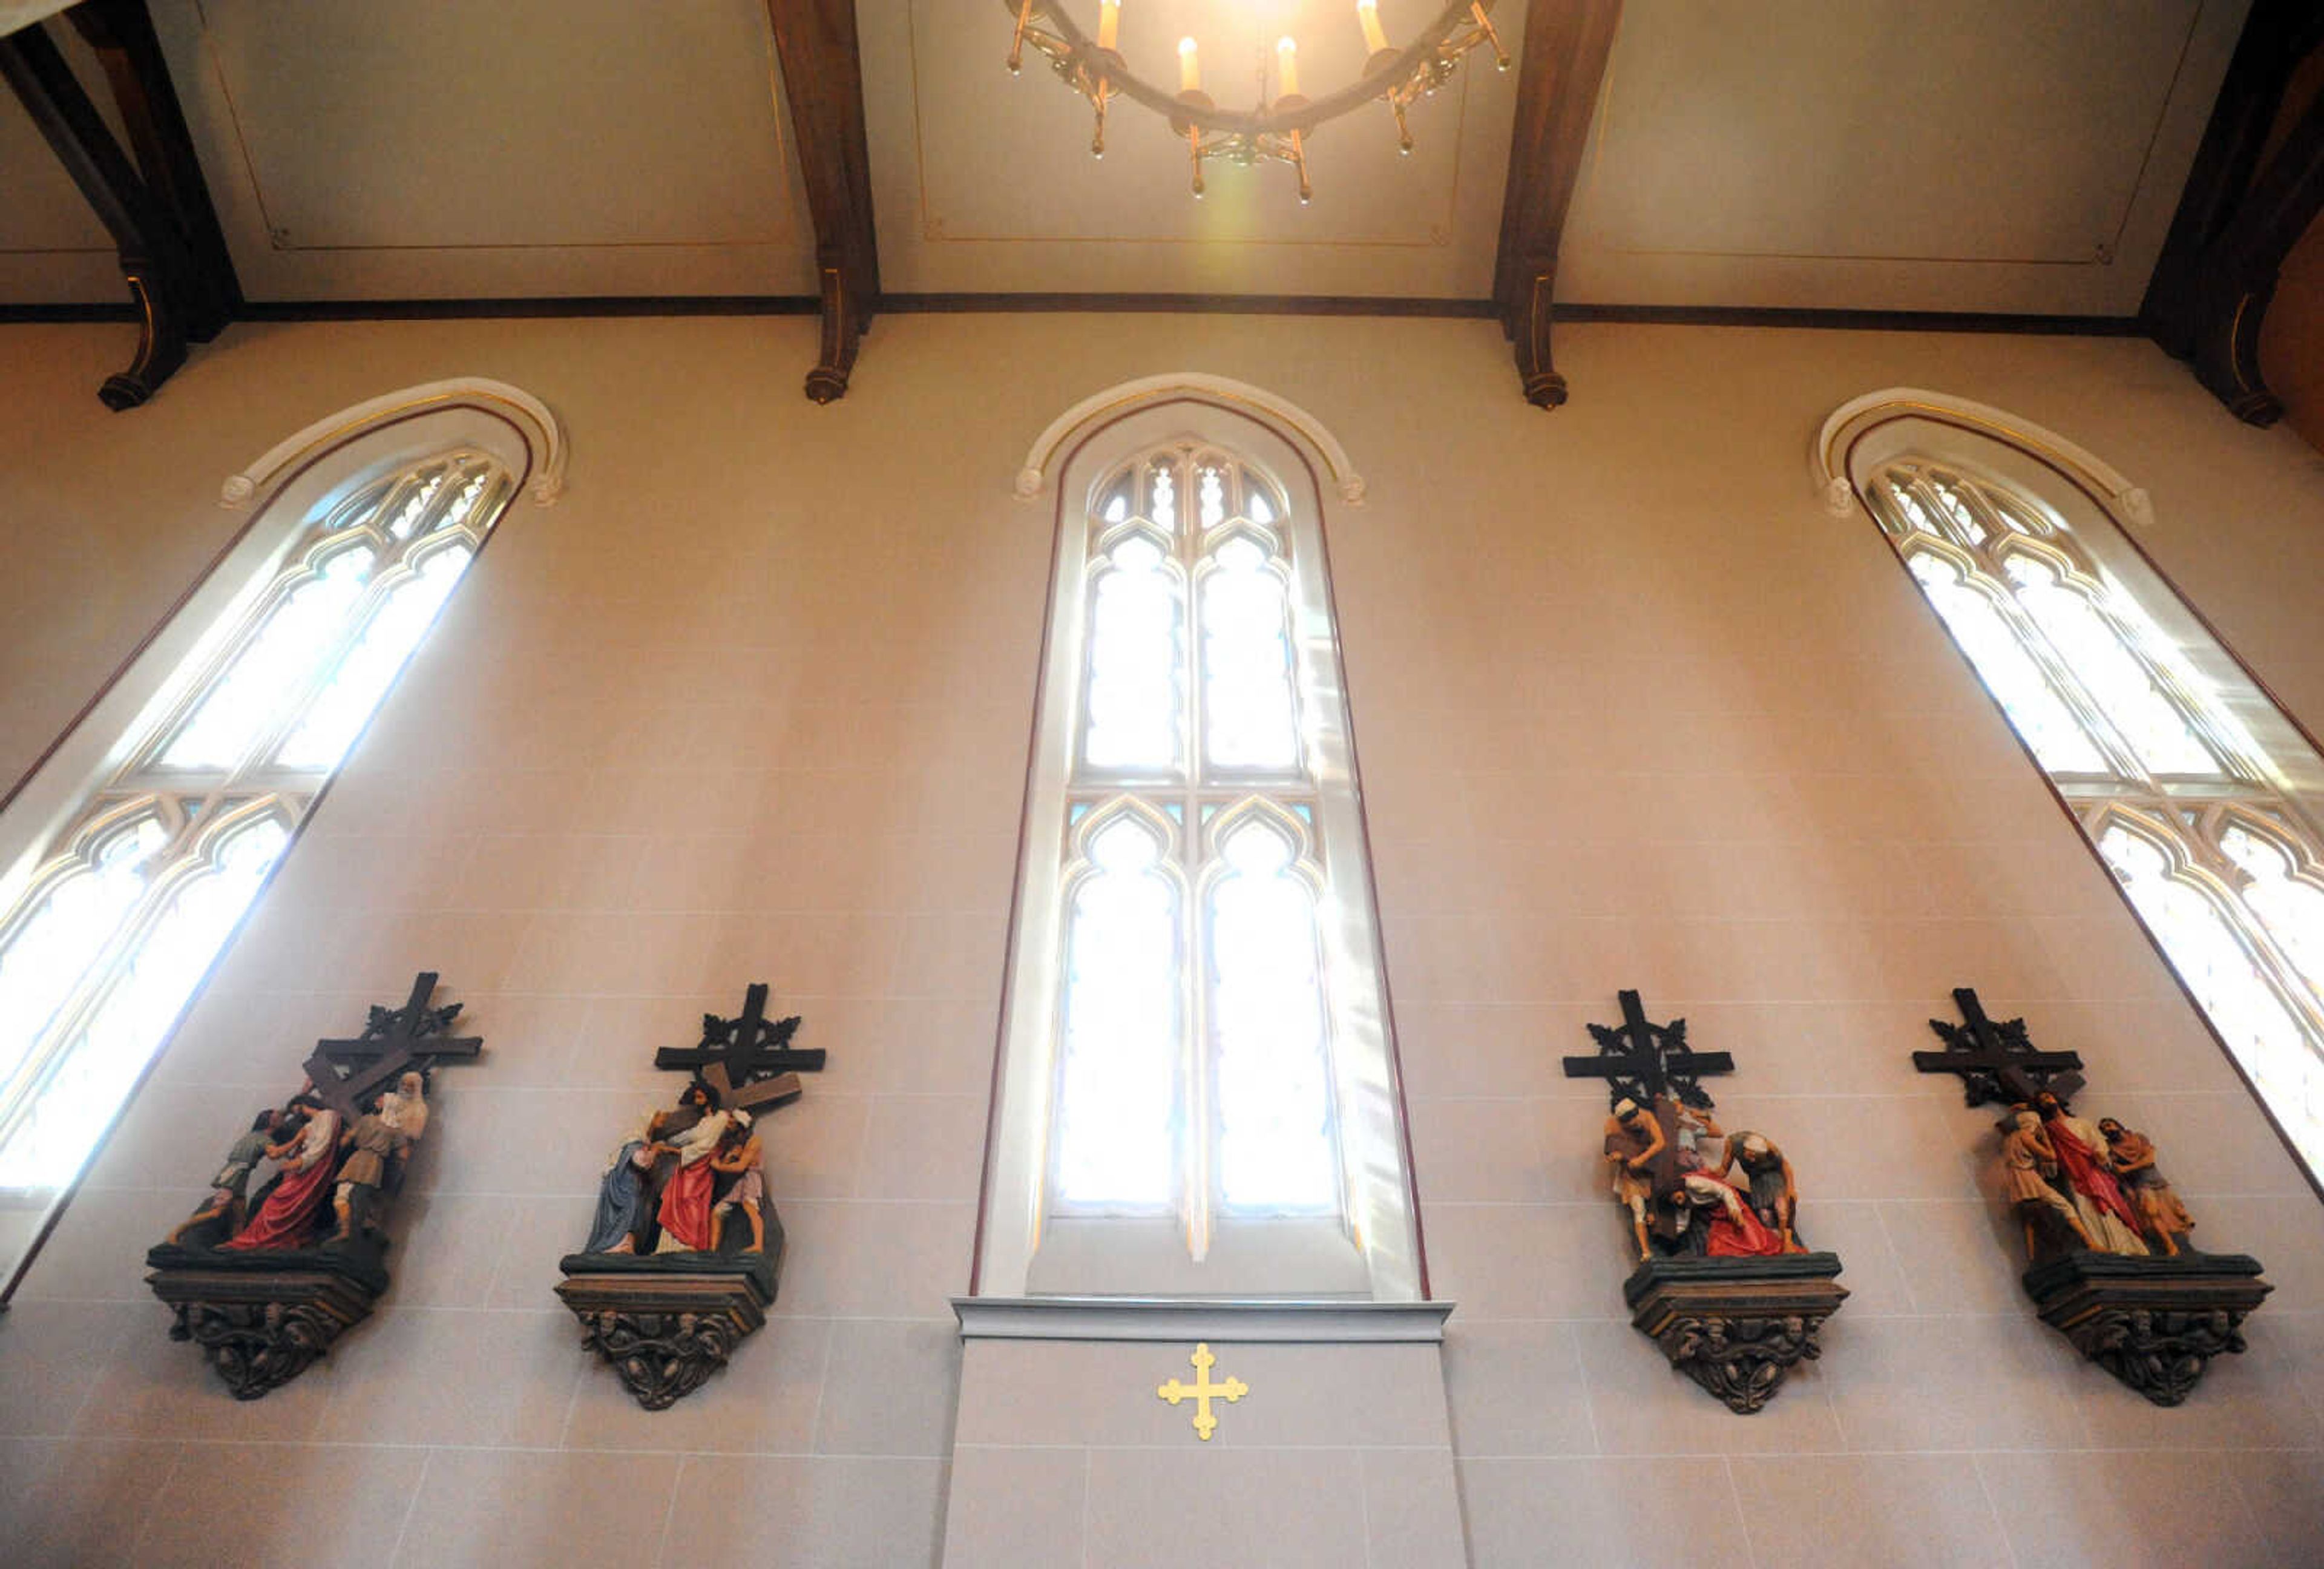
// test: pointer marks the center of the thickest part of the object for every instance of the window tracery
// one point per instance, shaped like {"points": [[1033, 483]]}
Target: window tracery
{"points": [[2210, 830], [1195, 1025], [128, 905]]}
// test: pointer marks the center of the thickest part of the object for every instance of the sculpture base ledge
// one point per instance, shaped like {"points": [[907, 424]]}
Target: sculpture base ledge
{"points": [[2155, 1324], [260, 1319], [1736, 1327], [667, 1322]]}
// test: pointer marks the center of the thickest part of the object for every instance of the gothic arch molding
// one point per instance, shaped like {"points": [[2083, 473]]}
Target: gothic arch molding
{"points": [[1288, 418], [1859, 417], [543, 437]]}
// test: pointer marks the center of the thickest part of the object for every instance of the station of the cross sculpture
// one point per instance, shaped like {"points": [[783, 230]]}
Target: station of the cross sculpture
{"points": [[2111, 1260], [266, 1277], [683, 1252], [1724, 1284]]}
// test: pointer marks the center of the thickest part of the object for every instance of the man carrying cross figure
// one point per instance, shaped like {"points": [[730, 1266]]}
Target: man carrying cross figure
{"points": [[741, 1065]]}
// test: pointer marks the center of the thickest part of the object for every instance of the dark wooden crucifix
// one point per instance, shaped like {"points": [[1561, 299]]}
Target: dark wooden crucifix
{"points": [[1996, 1061], [346, 1074], [747, 1062], [1644, 1061]]}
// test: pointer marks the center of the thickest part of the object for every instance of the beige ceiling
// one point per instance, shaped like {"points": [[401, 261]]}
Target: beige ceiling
{"points": [[1974, 154]]}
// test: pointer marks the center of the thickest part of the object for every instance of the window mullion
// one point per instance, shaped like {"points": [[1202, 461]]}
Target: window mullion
{"points": [[2059, 672]]}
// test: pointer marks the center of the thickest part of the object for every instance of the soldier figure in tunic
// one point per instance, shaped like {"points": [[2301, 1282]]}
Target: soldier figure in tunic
{"points": [[2028, 1164], [2132, 1156], [1635, 1145]]}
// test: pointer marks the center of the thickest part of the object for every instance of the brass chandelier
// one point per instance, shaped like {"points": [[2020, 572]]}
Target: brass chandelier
{"points": [[1274, 130]]}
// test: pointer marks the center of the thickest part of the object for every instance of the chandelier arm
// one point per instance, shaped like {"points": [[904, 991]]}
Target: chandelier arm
{"points": [[1373, 85]]}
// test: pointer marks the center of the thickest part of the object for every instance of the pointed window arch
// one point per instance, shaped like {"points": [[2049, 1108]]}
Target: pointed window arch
{"points": [[1197, 1087], [2201, 796], [128, 859]]}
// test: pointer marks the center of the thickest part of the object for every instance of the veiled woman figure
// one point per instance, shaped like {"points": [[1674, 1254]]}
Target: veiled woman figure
{"points": [[621, 1194]]}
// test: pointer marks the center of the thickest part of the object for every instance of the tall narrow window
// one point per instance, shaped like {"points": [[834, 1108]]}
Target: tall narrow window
{"points": [[2199, 794], [1198, 1093], [113, 916]]}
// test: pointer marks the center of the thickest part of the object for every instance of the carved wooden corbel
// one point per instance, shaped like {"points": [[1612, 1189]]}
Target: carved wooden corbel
{"points": [[823, 78], [1566, 45], [173, 254]]}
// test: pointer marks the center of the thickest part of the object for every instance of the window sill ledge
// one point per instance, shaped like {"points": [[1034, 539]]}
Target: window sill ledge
{"points": [[1147, 1319]]}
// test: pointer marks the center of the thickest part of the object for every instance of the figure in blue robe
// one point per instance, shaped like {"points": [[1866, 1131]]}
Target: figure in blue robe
{"points": [[620, 1196]]}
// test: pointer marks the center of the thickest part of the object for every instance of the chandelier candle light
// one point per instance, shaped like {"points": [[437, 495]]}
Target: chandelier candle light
{"points": [[1094, 68]]}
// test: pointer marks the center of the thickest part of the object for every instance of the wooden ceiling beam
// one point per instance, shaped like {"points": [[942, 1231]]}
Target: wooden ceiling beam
{"points": [[823, 78], [2240, 216], [171, 252], [1560, 69]]}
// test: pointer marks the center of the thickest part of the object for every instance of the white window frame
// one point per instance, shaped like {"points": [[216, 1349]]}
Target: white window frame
{"points": [[1371, 1252], [139, 708], [2270, 778]]}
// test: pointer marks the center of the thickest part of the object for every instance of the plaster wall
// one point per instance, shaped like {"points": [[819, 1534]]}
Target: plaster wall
{"points": [[750, 703]]}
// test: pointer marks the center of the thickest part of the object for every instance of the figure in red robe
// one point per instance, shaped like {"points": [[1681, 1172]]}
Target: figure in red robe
{"points": [[288, 1216], [1734, 1231], [685, 1211], [2088, 1172]]}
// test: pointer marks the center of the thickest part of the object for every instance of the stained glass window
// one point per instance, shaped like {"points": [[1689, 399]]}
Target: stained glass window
{"points": [[1194, 1059], [132, 903], [2211, 842]]}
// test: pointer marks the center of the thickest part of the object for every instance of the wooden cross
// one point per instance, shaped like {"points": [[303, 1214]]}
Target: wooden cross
{"points": [[1644, 1062], [1201, 1390], [346, 1074], [735, 1053], [1998, 1062]]}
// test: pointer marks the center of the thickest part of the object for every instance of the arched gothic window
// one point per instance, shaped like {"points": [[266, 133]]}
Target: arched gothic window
{"points": [[2199, 794], [134, 852], [1197, 1094]]}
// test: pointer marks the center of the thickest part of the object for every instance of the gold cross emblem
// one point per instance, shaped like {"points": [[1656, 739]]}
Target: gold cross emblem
{"points": [[1201, 1390]]}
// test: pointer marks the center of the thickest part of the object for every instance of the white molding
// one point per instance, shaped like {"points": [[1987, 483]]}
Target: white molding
{"points": [[1157, 1319], [2128, 502], [544, 438], [1148, 390]]}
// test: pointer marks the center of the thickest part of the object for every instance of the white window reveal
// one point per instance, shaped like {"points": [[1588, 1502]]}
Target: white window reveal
{"points": [[1198, 1094], [131, 856], [2201, 796]]}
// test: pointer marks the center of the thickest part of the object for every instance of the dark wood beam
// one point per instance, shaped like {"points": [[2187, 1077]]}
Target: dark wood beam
{"points": [[823, 78], [122, 34], [1562, 63], [2237, 220], [173, 279]]}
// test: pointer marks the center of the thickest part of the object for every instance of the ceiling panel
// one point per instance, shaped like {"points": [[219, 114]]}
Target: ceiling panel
{"points": [[522, 146], [1980, 154]]}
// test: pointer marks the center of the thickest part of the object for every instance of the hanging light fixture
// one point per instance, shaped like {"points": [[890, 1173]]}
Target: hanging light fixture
{"points": [[1274, 130]]}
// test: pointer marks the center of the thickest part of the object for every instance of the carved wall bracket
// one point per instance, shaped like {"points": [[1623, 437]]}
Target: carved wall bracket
{"points": [[1736, 1327], [667, 1321], [2155, 1324], [260, 1327]]}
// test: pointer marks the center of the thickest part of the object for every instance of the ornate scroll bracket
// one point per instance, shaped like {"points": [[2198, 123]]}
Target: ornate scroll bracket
{"points": [[1736, 1327], [667, 1321], [2154, 1323], [260, 1327]]}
